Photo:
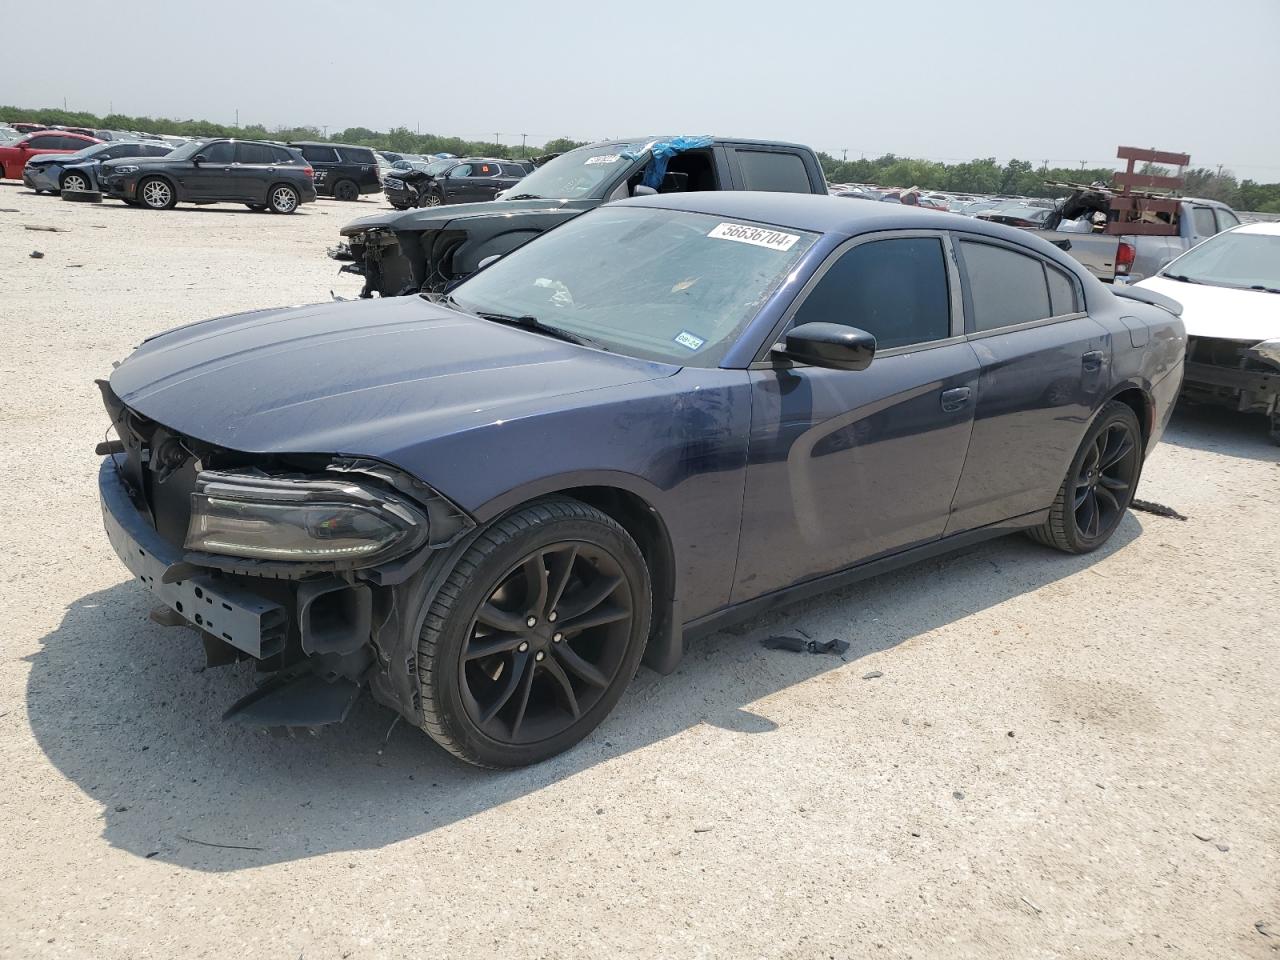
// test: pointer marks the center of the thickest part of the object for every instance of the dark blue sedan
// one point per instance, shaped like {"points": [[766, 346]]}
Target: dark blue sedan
{"points": [[668, 414]]}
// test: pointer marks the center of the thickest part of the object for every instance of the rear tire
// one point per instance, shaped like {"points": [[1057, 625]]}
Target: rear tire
{"points": [[1099, 486], [534, 636], [346, 190], [283, 199], [157, 193]]}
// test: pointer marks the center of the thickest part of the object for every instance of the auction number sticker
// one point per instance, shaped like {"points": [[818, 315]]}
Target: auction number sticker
{"points": [[603, 158], [758, 236], [687, 339]]}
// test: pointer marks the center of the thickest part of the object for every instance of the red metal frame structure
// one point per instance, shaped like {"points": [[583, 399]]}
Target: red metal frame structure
{"points": [[1129, 207]]}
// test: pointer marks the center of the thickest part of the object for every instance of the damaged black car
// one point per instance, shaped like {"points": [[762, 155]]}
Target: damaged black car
{"points": [[423, 251]]}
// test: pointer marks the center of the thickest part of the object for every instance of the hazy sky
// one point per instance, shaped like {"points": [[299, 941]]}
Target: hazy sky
{"points": [[942, 79]]}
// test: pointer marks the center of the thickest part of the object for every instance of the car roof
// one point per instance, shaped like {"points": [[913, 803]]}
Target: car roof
{"points": [[714, 139], [820, 213], [326, 143], [1270, 228]]}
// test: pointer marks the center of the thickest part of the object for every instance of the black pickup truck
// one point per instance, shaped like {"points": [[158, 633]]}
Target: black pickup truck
{"points": [[425, 250]]}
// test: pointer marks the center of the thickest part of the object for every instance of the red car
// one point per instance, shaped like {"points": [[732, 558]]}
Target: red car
{"points": [[14, 156]]}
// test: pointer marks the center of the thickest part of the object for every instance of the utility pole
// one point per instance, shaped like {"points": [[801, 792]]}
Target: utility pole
{"points": [[325, 127], [1082, 163], [64, 103], [844, 154], [497, 142], [237, 118], [1219, 171], [523, 152], [1044, 165]]}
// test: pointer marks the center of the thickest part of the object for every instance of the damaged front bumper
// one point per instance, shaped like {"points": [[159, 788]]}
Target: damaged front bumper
{"points": [[321, 636], [1242, 375]]}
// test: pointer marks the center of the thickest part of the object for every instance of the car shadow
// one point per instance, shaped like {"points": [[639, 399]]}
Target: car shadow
{"points": [[127, 712], [1222, 431]]}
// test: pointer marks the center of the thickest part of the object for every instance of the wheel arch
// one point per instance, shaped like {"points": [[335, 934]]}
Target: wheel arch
{"points": [[626, 500], [1138, 399], [178, 193], [273, 184]]}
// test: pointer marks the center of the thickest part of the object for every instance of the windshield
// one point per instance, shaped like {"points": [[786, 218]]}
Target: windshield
{"points": [[657, 284], [576, 174], [1233, 259], [437, 167]]}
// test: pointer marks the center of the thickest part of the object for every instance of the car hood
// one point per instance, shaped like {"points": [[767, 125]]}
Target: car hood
{"points": [[364, 378], [428, 218], [45, 159], [1222, 312]]}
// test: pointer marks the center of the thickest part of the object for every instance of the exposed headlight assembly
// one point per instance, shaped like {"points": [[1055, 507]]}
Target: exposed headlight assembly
{"points": [[301, 519], [127, 168]]}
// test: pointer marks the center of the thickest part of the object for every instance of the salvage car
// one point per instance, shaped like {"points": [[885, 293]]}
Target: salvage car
{"points": [[14, 156], [667, 415], [262, 176], [426, 250], [56, 172], [1229, 287]]}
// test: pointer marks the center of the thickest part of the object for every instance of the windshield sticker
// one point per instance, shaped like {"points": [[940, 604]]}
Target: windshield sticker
{"points": [[687, 339], [604, 158], [758, 236]]}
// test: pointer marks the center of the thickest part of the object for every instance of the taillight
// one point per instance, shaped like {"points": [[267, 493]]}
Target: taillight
{"points": [[1124, 257], [310, 172]]}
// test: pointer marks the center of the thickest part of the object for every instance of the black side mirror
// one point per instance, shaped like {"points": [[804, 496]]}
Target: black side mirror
{"points": [[198, 159], [831, 345]]}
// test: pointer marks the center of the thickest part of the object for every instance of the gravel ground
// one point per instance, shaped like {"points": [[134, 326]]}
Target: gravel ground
{"points": [[1056, 756]]}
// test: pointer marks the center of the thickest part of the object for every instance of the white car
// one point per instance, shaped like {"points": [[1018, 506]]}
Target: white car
{"points": [[1229, 288]]}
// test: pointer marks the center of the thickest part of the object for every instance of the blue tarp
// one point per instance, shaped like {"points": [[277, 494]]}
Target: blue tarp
{"points": [[663, 151]]}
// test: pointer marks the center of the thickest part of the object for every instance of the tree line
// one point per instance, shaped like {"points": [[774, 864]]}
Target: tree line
{"points": [[1017, 177]]}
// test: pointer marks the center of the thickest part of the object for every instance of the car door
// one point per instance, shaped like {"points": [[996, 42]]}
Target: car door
{"points": [[849, 465], [466, 183], [253, 171], [1045, 366], [211, 177]]}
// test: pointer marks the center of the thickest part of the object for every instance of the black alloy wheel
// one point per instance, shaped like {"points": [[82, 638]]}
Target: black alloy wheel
{"points": [[534, 636], [1099, 485], [346, 190]]}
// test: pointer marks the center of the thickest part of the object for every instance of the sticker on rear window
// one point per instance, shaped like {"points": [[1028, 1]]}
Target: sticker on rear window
{"points": [[687, 339], [603, 158], [758, 236]]}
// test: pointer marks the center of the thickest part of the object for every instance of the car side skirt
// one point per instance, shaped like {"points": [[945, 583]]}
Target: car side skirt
{"points": [[758, 606]]}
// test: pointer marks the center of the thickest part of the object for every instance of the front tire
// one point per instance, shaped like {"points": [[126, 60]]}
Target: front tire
{"points": [[157, 193], [283, 199], [431, 198], [75, 181], [534, 636], [1099, 486]]}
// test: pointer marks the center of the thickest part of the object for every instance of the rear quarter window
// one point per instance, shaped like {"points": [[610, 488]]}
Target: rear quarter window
{"points": [[1202, 220], [320, 154], [355, 155], [772, 171]]}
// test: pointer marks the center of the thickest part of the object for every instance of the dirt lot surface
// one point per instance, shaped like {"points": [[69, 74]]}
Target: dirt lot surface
{"points": [[1022, 755]]}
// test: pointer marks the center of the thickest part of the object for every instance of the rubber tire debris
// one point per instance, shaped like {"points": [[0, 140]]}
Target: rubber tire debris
{"points": [[798, 645], [1159, 509]]}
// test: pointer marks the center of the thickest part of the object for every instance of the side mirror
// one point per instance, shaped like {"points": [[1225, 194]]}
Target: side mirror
{"points": [[640, 190], [832, 345], [198, 159], [492, 258]]}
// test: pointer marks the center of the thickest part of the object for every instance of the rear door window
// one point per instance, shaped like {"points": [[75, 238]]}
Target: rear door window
{"points": [[320, 154], [895, 289], [772, 171], [1202, 220], [1005, 288]]}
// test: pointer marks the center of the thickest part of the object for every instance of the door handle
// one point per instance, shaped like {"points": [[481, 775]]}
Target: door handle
{"points": [[953, 400], [1092, 361]]}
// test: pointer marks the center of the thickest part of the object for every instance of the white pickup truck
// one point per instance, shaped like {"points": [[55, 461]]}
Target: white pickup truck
{"points": [[1128, 258]]}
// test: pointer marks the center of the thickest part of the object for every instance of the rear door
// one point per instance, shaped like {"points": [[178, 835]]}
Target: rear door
{"points": [[847, 465], [253, 171], [772, 169], [1045, 366]]}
